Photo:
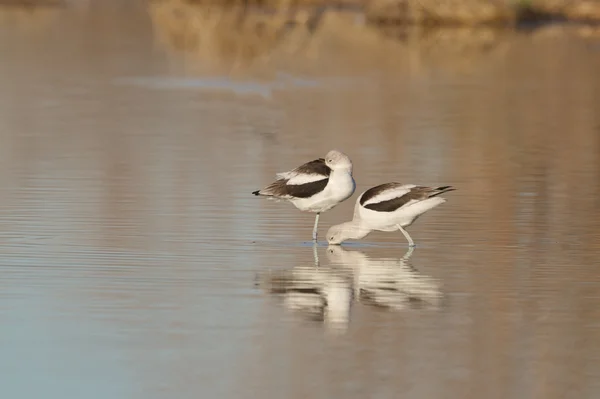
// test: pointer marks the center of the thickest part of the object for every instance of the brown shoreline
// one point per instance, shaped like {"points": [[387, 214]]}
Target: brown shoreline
{"points": [[401, 12], [436, 12]]}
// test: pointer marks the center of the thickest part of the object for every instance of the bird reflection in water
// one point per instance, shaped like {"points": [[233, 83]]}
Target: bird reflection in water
{"points": [[387, 282], [327, 293], [322, 293]]}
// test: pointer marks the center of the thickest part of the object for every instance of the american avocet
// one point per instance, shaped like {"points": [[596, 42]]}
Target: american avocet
{"points": [[387, 207], [317, 186]]}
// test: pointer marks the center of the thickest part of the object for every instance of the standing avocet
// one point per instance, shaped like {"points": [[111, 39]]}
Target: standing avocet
{"points": [[388, 207], [317, 186]]}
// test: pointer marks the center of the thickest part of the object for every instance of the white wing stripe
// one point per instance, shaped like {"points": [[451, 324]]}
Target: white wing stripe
{"points": [[302, 178]]}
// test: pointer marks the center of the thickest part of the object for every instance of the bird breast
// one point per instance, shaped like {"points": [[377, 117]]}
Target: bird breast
{"points": [[341, 185]]}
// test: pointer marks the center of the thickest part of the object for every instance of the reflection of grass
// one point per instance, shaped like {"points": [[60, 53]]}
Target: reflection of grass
{"points": [[226, 34], [239, 40], [237, 37]]}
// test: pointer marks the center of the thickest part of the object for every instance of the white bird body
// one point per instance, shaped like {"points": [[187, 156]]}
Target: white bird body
{"points": [[340, 187], [387, 207], [403, 216]]}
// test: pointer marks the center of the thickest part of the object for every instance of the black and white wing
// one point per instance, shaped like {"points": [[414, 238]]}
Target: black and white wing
{"points": [[302, 182], [390, 197]]}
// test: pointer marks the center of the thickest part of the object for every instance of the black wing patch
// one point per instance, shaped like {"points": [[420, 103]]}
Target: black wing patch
{"points": [[374, 191], [279, 188], [418, 193], [316, 167], [305, 190]]}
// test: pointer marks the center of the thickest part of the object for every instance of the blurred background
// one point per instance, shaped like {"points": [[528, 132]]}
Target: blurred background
{"points": [[135, 263]]}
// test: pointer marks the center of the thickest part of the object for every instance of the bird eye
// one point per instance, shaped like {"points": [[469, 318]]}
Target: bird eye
{"points": [[331, 238], [330, 160]]}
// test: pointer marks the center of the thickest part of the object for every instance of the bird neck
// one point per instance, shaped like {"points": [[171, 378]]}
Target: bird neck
{"points": [[355, 230], [342, 171]]}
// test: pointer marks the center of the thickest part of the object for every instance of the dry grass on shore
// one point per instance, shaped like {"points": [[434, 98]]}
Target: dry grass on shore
{"points": [[463, 12], [419, 12], [477, 12]]}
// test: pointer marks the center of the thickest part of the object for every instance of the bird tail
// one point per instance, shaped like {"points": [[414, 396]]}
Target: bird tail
{"points": [[269, 193], [265, 192]]}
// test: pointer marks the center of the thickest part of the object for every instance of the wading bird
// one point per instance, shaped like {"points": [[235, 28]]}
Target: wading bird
{"points": [[316, 186], [388, 207]]}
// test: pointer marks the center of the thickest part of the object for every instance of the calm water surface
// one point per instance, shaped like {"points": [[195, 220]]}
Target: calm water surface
{"points": [[136, 264]]}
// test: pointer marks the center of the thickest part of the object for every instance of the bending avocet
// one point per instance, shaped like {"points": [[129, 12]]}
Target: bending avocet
{"points": [[388, 207], [317, 186]]}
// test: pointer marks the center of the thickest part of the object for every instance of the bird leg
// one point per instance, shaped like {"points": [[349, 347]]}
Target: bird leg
{"points": [[410, 241], [408, 253], [314, 235], [316, 255]]}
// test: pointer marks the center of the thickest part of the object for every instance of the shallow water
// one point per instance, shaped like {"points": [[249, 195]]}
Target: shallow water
{"points": [[135, 263]]}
